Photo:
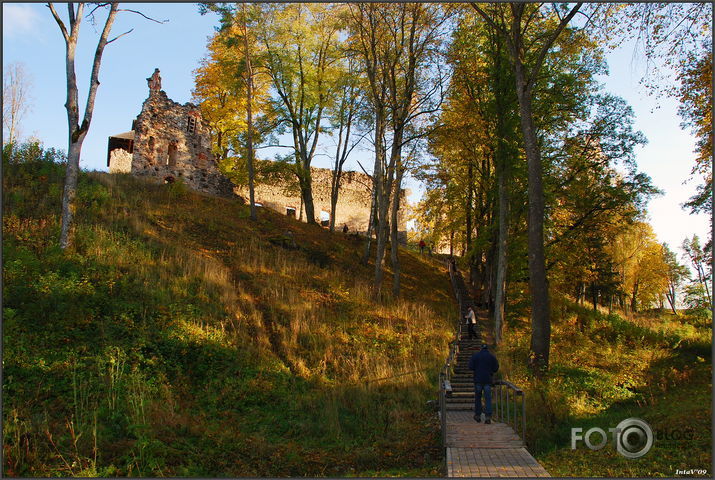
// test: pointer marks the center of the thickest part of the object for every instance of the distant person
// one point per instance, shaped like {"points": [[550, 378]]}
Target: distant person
{"points": [[422, 247], [471, 322], [345, 228], [484, 365], [430, 247]]}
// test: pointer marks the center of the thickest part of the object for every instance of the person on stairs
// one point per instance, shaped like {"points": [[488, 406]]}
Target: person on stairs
{"points": [[484, 364], [471, 322]]}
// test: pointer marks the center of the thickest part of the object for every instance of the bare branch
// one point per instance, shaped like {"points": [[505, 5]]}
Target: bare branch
{"points": [[98, 6], [94, 78], [363, 168], [59, 22], [140, 13], [75, 19], [70, 9], [120, 36]]}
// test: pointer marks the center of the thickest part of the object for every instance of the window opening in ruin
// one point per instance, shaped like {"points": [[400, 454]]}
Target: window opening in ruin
{"points": [[290, 211], [191, 125], [150, 153], [324, 218], [171, 159]]}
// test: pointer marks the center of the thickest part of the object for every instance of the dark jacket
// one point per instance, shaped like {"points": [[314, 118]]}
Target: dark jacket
{"points": [[484, 364]]}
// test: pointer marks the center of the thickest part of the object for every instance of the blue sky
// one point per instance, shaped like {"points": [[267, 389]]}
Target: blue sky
{"points": [[31, 36]]}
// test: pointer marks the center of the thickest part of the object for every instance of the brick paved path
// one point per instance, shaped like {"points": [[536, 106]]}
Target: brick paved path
{"points": [[479, 450]]}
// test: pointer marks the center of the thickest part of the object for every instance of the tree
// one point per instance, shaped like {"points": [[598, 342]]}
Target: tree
{"points": [[696, 112], [676, 273], [367, 38], [232, 85], [301, 44], [528, 57], [219, 92], [698, 259], [78, 131], [397, 44], [676, 40], [15, 99], [344, 119], [641, 265]]}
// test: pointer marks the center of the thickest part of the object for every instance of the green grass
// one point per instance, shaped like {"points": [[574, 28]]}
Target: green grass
{"points": [[177, 338], [605, 369]]}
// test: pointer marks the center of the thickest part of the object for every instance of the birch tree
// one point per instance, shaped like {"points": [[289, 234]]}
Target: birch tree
{"points": [[16, 87], [78, 131]]}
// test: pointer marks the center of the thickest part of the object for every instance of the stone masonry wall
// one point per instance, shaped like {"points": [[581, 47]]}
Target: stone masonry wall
{"points": [[171, 141], [120, 161], [353, 208]]}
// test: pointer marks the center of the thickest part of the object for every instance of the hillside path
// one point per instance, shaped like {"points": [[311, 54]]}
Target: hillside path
{"points": [[476, 449]]}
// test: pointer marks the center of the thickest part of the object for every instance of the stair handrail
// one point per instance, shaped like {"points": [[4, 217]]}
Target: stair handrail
{"points": [[510, 405], [445, 375]]}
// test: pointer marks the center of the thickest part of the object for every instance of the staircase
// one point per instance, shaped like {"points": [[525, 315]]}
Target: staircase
{"points": [[477, 449], [460, 395]]}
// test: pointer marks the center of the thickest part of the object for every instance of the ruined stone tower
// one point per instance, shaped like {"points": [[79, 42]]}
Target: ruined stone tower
{"points": [[168, 141]]}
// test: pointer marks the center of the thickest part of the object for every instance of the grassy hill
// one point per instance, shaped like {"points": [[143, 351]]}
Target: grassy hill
{"points": [[177, 337], [605, 368]]}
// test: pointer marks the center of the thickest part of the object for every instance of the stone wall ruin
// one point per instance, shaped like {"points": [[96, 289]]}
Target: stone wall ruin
{"points": [[169, 142], [352, 209]]}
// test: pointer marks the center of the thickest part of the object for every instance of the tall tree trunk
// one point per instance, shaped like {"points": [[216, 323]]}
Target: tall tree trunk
{"points": [[334, 191], [540, 308], [383, 205], [70, 190], [502, 244], [77, 132], [370, 227], [502, 170], [514, 36], [249, 117], [469, 203], [704, 281], [671, 297], [377, 181], [594, 295], [394, 233], [634, 298], [307, 194]]}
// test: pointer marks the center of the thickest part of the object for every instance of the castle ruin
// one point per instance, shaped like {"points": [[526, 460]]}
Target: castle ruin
{"points": [[352, 209], [168, 142]]}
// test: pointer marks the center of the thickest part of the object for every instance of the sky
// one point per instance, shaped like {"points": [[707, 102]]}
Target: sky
{"points": [[31, 36]]}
